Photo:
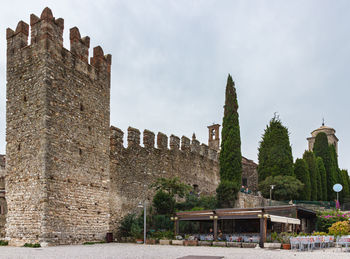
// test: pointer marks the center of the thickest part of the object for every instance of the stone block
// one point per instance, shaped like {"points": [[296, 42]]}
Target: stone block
{"points": [[219, 243], [249, 245], [205, 243], [177, 242], [164, 242], [234, 244]]}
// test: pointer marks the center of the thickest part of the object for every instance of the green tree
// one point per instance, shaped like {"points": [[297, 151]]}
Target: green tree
{"points": [[163, 202], [323, 174], [310, 160], [302, 174], [321, 149], [346, 187], [230, 154], [275, 153], [286, 187], [226, 193], [172, 186]]}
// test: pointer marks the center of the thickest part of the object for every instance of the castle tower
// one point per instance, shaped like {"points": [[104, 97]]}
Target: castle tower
{"points": [[214, 137], [330, 132], [57, 133]]}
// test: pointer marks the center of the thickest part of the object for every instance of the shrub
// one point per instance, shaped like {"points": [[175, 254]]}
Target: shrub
{"points": [[136, 231], [286, 187], [3, 243], [36, 245], [125, 225], [328, 218], [164, 202], [226, 194], [340, 228]]}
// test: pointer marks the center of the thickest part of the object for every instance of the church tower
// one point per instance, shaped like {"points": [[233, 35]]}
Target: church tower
{"points": [[330, 132], [214, 137]]}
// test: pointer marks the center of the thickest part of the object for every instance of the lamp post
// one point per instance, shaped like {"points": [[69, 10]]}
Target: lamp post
{"points": [[271, 188], [144, 219]]}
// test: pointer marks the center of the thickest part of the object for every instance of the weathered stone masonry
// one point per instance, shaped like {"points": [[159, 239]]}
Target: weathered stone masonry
{"points": [[57, 153], [134, 168], [68, 177]]}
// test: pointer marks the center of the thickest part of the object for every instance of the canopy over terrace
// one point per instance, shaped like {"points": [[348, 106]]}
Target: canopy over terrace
{"points": [[262, 219]]}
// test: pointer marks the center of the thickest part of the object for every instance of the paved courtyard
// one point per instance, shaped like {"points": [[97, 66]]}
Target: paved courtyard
{"points": [[125, 251]]}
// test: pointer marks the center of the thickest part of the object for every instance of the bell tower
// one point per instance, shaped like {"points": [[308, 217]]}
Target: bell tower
{"points": [[214, 137]]}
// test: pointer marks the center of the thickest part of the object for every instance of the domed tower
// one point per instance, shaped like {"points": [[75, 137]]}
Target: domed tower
{"points": [[330, 132]]}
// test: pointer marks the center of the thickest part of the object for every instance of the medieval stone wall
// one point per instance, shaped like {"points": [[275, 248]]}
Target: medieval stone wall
{"points": [[250, 173], [134, 168], [3, 204], [57, 171]]}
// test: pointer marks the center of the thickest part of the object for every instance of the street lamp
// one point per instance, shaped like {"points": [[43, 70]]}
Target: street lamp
{"points": [[144, 219], [272, 186]]}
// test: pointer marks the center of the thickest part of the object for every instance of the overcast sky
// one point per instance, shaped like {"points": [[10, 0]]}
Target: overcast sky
{"points": [[170, 61]]}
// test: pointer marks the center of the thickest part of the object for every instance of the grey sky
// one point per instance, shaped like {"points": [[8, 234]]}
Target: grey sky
{"points": [[170, 61]]}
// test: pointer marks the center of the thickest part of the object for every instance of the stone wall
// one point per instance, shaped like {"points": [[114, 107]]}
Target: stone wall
{"points": [[250, 173], [250, 201], [3, 205], [57, 135], [135, 167]]}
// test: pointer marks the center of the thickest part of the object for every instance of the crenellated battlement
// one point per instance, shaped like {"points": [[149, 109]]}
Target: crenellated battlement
{"points": [[47, 31], [183, 145]]}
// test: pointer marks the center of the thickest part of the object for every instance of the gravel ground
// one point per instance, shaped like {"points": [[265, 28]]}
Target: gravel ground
{"points": [[126, 251]]}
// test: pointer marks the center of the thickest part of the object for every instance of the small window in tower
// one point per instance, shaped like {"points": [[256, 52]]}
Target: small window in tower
{"points": [[25, 98], [244, 182], [19, 147], [81, 107], [213, 134], [80, 151]]}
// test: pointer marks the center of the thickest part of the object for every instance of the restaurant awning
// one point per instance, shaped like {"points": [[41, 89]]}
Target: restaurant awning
{"points": [[281, 219]]}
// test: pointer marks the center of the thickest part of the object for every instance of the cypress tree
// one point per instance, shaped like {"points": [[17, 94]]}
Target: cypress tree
{"points": [[323, 175], [319, 182], [346, 187], [230, 154], [275, 153], [310, 160], [302, 174], [321, 149]]}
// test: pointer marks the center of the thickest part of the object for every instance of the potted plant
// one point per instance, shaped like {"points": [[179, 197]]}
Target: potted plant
{"points": [[285, 238], [165, 237], [273, 242], [136, 233], [190, 241]]}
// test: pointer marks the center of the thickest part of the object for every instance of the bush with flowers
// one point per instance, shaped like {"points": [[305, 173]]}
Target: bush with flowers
{"points": [[340, 228], [326, 219]]}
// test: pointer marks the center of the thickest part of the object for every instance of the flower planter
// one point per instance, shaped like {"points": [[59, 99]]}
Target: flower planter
{"points": [[204, 243], [249, 245], [139, 241], [219, 243], [151, 241], [272, 245], [164, 242], [190, 243], [177, 242], [234, 244], [286, 246]]}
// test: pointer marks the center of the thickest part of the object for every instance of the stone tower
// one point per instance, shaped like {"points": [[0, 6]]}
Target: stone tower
{"points": [[57, 133], [214, 137], [330, 132]]}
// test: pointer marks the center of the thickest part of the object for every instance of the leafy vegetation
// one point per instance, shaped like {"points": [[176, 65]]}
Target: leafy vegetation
{"points": [[302, 174], [3, 243], [315, 178], [323, 175], [340, 228], [286, 187], [226, 193], [230, 154], [36, 245], [321, 149], [164, 202], [275, 153]]}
